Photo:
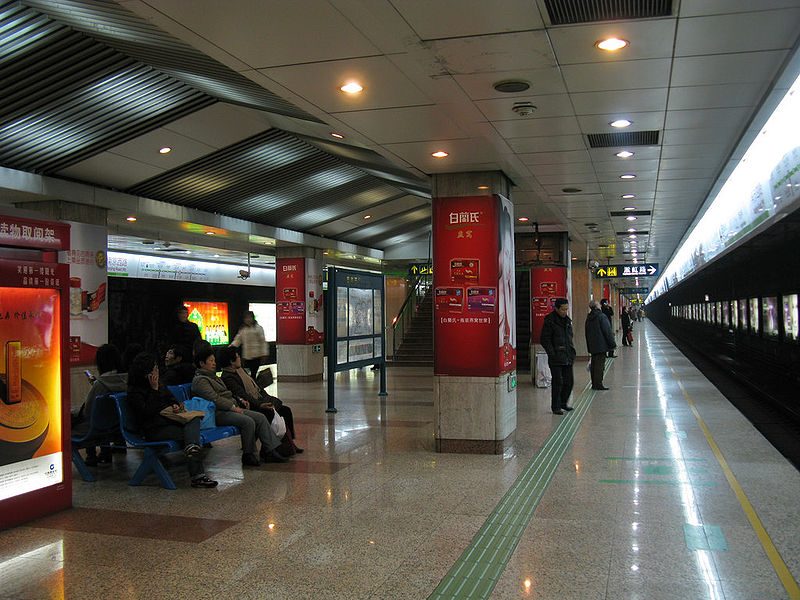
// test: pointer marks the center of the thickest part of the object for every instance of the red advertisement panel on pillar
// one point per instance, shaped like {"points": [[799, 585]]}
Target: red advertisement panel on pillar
{"points": [[547, 284], [473, 286], [290, 305], [606, 291]]}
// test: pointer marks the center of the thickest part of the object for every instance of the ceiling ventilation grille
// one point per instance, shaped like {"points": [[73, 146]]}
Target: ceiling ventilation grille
{"points": [[632, 213], [623, 138], [567, 12]]}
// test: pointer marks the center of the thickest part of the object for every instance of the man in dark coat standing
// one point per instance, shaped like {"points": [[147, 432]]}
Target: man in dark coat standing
{"points": [[556, 338], [626, 326], [185, 333], [599, 340], [605, 307]]}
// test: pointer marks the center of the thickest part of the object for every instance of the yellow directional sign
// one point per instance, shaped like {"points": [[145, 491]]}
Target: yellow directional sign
{"points": [[608, 271]]}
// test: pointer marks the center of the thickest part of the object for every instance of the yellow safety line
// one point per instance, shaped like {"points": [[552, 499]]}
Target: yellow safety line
{"points": [[772, 552]]}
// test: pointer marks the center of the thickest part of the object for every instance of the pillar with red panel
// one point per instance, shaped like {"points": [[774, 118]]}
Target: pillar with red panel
{"points": [[35, 467]]}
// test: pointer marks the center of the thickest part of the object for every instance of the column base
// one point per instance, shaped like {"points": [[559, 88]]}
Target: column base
{"points": [[475, 446], [299, 363], [301, 378]]}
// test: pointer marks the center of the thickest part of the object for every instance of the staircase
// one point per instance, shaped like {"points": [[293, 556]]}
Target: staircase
{"points": [[416, 349]]}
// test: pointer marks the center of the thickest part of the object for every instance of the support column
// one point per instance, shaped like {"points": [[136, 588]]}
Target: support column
{"points": [[475, 396], [300, 322], [579, 307]]}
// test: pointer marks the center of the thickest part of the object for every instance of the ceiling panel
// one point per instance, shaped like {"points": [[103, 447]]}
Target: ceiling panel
{"points": [[576, 44], [410, 124], [714, 96], [492, 53], [618, 75], [477, 17], [544, 81]]}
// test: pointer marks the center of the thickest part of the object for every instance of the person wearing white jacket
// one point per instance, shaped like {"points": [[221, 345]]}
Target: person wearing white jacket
{"points": [[252, 343]]}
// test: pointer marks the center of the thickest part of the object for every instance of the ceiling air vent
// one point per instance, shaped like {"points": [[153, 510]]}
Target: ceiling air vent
{"points": [[637, 232], [625, 213], [623, 138], [567, 12]]}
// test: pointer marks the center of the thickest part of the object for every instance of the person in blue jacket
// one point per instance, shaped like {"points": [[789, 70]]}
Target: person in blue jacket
{"points": [[599, 341]]}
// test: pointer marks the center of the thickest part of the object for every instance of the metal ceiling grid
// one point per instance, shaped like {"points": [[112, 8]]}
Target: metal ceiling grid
{"points": [[66, 98], [109, 23]]}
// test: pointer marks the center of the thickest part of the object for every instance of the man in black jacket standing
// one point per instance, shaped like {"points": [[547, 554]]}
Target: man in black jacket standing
{"points": [[605, 307], [599, 340], [556, 338]]}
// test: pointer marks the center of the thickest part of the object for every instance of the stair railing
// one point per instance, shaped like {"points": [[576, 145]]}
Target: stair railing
{"points": [[401, 323]]}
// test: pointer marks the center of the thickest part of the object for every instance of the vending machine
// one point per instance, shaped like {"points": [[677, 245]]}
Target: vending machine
{"points": [[35, 469]]}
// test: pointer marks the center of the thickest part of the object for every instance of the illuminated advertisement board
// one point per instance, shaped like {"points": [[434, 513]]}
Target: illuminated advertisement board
{"points": [[266, 317], [547, 285], [30, 390], [474, 286], [212, 320]]}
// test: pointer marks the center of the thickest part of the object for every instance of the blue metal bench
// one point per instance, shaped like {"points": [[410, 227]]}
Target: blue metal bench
{"points": [[103, 429]]}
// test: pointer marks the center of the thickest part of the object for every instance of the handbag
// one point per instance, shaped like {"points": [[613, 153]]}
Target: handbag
{"points": [[180, 415], [278, 425]]}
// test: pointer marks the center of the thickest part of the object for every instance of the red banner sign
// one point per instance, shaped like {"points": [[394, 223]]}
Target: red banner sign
{"points": [[547, 284], [32, 233], [474, 315], [290, 306]]}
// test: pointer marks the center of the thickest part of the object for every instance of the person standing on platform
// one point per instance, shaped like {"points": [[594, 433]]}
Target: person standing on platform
{"points": [[185, 333], [606, 309], [599, 340], [252, 343], [556, 338], [625, 319]]}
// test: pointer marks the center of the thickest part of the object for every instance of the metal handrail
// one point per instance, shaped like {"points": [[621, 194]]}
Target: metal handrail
{"points": [[409, 307]]}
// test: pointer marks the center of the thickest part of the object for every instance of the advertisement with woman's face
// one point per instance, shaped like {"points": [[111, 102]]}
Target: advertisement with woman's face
{"points": [[506, 309]]}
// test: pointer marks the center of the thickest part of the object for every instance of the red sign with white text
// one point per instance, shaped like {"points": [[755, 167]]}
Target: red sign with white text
{"points": [[32, 233], [290, 305], [473, 286], [547, 284]]}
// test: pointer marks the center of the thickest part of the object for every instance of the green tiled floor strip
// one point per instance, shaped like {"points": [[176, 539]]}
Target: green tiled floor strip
{"points": [[478, 569]]}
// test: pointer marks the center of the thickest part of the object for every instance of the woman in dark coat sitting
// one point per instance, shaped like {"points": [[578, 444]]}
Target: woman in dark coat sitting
{"points": [[147, 399], [244, 386]]}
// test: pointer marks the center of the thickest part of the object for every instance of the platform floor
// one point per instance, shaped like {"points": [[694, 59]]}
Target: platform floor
{"points": [[655, 489]]}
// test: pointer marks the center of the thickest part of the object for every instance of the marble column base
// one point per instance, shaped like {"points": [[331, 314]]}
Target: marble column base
{"points": [[475, 446], [299, 363]]}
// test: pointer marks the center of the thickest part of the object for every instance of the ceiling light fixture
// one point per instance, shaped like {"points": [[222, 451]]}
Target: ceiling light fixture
{"points": [[627, 176], [611, 44], [165, 150], [631, 218], [367, 216], [351, 88], [624, 154], [523, 219], [628, 196], [131, 219], [632, 236], [209, 233], [483, 187], [620, 123], [632, 230], [440, 154], [338, 136], [629, 208]]}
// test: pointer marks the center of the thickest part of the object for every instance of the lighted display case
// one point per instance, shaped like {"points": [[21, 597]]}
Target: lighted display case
{"points": [[212, 320], [754, 314], [791, 318]]}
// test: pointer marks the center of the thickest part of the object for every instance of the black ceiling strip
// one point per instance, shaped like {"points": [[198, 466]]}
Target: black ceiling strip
{"points": [[382, 227], [629, 213], [392, 198], [629, 233], [566, 12], [414, 230], [623, 138]]}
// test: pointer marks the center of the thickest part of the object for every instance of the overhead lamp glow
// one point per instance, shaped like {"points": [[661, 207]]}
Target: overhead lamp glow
{"points": [[440, 154], [216, 256], [209, 233], [632, 230], [338, 136], [611, 44], [165, 150], [632, 236], [629, 208], [624, 154], [627, 176], [367, 216], [631, 218], [130, 219], [620, 123], [483, 187], [628, 196], [522, 219], [351, 88]]}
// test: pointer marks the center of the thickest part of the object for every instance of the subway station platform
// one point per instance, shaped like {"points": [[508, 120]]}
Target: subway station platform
{"points": [[656, 489]]}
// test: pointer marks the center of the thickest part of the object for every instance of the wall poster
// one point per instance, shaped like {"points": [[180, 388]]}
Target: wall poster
{"points": [[474, 286], [290, 300]]}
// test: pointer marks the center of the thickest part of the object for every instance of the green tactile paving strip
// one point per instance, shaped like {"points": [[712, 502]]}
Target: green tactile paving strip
{"points": [[477, 570]]}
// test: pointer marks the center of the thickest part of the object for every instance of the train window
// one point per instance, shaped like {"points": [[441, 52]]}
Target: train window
{"points": [[726, 314], [791, 318], [718, 319], [754, 314], [742, 314], [734, 314], [769, 316]]}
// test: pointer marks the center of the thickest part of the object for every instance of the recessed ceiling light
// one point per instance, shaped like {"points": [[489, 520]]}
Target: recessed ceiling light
{"points": [[325, 253], [628, 176], [209, 233], [440, 154], [188, 252], [522, 219], [620, 123], [611, 44], [216, 256], [632, 230], [631, 218], [483, 187], [628, 196], [165, 150], [338, 136], [632, 236], [625, 154], [131, 219], [629, 208], [351, 88], [268, 243], [367, 216]]}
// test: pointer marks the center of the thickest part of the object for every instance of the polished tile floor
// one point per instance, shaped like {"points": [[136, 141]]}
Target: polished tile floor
{"points": [[659, 490]]}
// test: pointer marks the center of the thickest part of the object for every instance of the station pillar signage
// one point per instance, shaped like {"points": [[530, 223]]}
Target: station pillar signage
{"points": [[474, 286], [298, 301], [547, 285]]}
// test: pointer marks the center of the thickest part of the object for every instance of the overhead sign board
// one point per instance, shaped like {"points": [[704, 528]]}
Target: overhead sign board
{"points": [[634, 290], [610, 271], [420, 269]]}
